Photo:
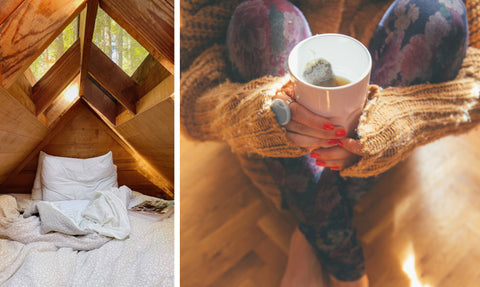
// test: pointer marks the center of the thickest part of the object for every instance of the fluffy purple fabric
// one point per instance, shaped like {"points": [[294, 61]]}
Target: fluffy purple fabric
{"points": [[261, 35]]}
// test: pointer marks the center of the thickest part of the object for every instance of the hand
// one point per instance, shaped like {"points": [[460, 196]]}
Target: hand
{"points": [[339, 157], [306, 129]]}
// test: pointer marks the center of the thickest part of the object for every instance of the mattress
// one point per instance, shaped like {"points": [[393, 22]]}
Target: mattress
{"points": [[145, 258]]}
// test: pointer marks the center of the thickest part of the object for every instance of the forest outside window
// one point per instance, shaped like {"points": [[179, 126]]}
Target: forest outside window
{"points": [[117, 44], [55, 50]]}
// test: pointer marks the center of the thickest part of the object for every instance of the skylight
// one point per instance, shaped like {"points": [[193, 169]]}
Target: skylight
{"points": [[56, 49], [117, 44]]}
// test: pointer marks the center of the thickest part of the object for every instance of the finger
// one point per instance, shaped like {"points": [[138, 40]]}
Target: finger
{"points": [[308, 142], [304, 116], [353, 146], [299, 128], [332, 153]]}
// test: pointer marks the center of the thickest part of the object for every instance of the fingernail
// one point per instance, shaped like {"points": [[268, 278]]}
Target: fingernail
{"points": [[335, 168], [328, 126], [332, 142], [320, 162], [314, 155], [340, 133], [339, 143]]}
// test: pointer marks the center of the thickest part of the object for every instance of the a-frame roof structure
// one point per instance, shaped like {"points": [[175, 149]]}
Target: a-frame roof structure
{"points": [[137, 109]]}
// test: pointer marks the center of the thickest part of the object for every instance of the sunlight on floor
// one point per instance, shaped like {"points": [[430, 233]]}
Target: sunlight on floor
{"points": [[409, 268]]}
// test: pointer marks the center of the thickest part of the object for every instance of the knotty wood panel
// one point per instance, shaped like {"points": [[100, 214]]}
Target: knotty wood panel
{"points": [[113, 78], [151, 133], [20, 132], [151, 23], [46, 90], [85, 135], [29, 30]]}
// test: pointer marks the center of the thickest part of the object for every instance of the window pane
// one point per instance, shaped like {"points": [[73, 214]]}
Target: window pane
{"points": [[117, 44], [56, 49]]}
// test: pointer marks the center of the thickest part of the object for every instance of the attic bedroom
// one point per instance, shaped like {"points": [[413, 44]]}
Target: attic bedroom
{"points": [[86, 87]]}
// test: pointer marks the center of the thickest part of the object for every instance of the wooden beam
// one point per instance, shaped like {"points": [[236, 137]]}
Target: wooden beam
{"points": [[113, 79], [150, 22], [87, 26], [46, 90], [100, 102], [149, 74], [8, 6], [28, 31]]}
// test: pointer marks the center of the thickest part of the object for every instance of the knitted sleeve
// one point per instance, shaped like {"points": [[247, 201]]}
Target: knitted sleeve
{"points": [[213, 108], [396, 120]]}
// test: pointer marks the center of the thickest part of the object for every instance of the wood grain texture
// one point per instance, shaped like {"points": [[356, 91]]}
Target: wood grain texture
{"points": [[151, 133], [16, 141], [8, 6], [29, 30], [100, 102], [22, 91], [87, 27], [150, 22], [84, 135], [51, 85], [427, 206], [113, 79], [149, 74]]}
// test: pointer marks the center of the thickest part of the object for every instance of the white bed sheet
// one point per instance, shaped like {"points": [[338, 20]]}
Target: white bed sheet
{"points": [[146, 258]]}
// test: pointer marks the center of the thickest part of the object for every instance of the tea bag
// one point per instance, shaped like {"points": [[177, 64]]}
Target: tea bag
{"points": [[318, 71]]}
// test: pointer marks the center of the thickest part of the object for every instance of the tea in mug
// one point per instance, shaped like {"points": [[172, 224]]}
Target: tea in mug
{"points": [[319, 72]]}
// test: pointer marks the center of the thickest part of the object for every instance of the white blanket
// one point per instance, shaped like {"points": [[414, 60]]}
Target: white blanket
{"points": [[104, 213], [145, 258]]}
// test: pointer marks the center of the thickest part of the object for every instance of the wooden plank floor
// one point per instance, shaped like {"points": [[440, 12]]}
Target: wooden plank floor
{"points": [[425, 211]]}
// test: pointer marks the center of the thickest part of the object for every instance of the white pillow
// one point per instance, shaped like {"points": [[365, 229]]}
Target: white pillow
{"points": [[64, 178]]}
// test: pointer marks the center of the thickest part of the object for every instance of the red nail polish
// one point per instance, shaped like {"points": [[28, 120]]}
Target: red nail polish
{"points": [[328, 126], [320, 162], [340, 133], [332, 142], [314, 155], [339, 143], [335, 168]]}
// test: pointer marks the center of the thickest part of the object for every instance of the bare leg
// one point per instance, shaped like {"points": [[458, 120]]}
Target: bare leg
{"points": [[303, 267]]}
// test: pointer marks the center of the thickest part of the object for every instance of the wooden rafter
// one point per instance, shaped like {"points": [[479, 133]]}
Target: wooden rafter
{"points": [[87, 27], [113, 79], [28, 31], [46, 90], [150, 22], [100, 102]]}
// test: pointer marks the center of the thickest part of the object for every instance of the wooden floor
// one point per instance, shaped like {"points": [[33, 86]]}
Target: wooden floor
{"points": [[425, 211]]}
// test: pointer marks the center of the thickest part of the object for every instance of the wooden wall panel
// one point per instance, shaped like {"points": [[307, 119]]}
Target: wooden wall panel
{"points": [[151, 133], [29, 30], [8, 6], [20, 132], [85, 136]]}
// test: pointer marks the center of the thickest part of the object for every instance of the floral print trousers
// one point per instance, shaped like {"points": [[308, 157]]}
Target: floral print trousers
{"points": [[415, 42]]}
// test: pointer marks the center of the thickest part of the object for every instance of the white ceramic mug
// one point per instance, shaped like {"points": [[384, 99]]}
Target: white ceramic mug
{"points": [[349, 59]]}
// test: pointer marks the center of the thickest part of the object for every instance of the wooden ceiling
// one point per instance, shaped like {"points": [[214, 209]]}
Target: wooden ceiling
{"points": [[27, 27]]}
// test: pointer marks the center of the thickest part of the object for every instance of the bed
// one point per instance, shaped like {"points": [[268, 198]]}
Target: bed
{"points": [[48, 242]]}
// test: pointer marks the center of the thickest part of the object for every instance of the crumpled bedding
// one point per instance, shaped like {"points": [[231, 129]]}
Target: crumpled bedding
{"points": [[104, 213], [30, 258]]}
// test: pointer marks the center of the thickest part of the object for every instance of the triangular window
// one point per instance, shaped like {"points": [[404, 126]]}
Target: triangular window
{"points": [[117, 44], [55, 50]]}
